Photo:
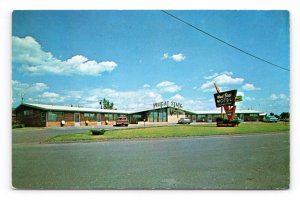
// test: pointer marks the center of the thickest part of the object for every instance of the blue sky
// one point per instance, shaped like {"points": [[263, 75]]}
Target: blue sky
{"points": [[136, 58]]}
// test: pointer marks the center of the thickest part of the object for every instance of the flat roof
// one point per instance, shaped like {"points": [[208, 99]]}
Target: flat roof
{"points": [[73, 108], [161, 108], [97, 110], [237, 112]]}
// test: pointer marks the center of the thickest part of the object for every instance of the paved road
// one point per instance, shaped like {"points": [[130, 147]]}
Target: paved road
{"points": [[222, 162]]}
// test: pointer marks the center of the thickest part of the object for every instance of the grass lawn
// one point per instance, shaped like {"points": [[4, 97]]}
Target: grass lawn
{"points": [[174, 131], [27, 129]]}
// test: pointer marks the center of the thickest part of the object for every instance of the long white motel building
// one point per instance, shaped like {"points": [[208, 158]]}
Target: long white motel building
{"points": [[42, 115]]}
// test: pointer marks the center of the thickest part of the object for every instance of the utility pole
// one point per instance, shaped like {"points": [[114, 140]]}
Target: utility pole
{"points": [[100, 102], [22, 98]]}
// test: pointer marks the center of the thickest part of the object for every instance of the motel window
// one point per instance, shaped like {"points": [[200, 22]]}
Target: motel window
{"points": [[116, 116], [109, 117], [158, 115], [138, 117], [214, 117], [90, 116], [163, 116], [253, 115], [28, 113], [98, 117], [150, 116], [54, 116], [201, 118]]}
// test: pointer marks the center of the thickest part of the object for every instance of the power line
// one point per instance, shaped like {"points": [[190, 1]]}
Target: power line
{"points": [[220, 40]]}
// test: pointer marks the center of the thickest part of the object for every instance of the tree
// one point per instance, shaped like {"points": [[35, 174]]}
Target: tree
{"points": [[285, 115], [106, 104]]}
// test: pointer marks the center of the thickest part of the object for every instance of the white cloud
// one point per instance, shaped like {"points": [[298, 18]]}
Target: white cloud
{"points": [[46, 97], [249, 86], [217, 74], [211, 76], [94, 98], [167, 86], [199, 104], [34, 93], [39, 86], [221, 79], [279, 97], [177, 97], [146, 86], [164, 84], [34, 61], [176, 57], [19, 87], [123, 100], [49, 95], [249, 98], [208, 86], [165, 56], [225, 79]]}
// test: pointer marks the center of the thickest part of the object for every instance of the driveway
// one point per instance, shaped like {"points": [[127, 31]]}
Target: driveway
{"points": [[223, 162], [39, 135]]}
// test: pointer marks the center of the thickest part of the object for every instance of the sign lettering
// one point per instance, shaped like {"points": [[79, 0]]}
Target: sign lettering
{"points": [[165, 104], [225, 98]]}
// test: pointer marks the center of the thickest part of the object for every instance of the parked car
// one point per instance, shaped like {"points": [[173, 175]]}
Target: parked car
{"points": [[184, 120], [122, 121], [270, 119]]}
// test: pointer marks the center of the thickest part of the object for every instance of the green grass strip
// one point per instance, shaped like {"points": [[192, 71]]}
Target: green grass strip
{"points": [[174, 131]]}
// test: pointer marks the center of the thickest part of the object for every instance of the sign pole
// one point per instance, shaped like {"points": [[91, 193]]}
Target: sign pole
{"points": [[222, 112]]}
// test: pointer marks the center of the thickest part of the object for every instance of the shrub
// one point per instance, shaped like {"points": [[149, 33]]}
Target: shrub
{"points": [[235, 121], [219, 119], [17, 125], [98, 132]]}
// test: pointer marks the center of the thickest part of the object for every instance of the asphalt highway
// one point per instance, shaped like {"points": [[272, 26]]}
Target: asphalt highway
{"points": [[259, 161]]}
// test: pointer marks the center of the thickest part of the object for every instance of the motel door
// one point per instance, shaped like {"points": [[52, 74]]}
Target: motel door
{"points": [[242, 117], [209, 118], [98, 119], [77, 119]]}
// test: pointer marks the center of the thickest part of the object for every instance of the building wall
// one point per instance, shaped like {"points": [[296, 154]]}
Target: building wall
{"points": [[84, 121], [68, 118], [90, 123], [174, 118], [174, 115], [251, 117], [31, 117], [54, 124]]}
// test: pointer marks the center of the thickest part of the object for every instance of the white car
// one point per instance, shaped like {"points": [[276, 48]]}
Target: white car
{"points": [[184, 120]]}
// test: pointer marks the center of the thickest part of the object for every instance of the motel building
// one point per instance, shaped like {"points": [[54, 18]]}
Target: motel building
{"points": [[42, 115]]}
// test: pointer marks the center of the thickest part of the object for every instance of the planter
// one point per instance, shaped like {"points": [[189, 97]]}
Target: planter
{"points": [[226, 125], [98, 132]]}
